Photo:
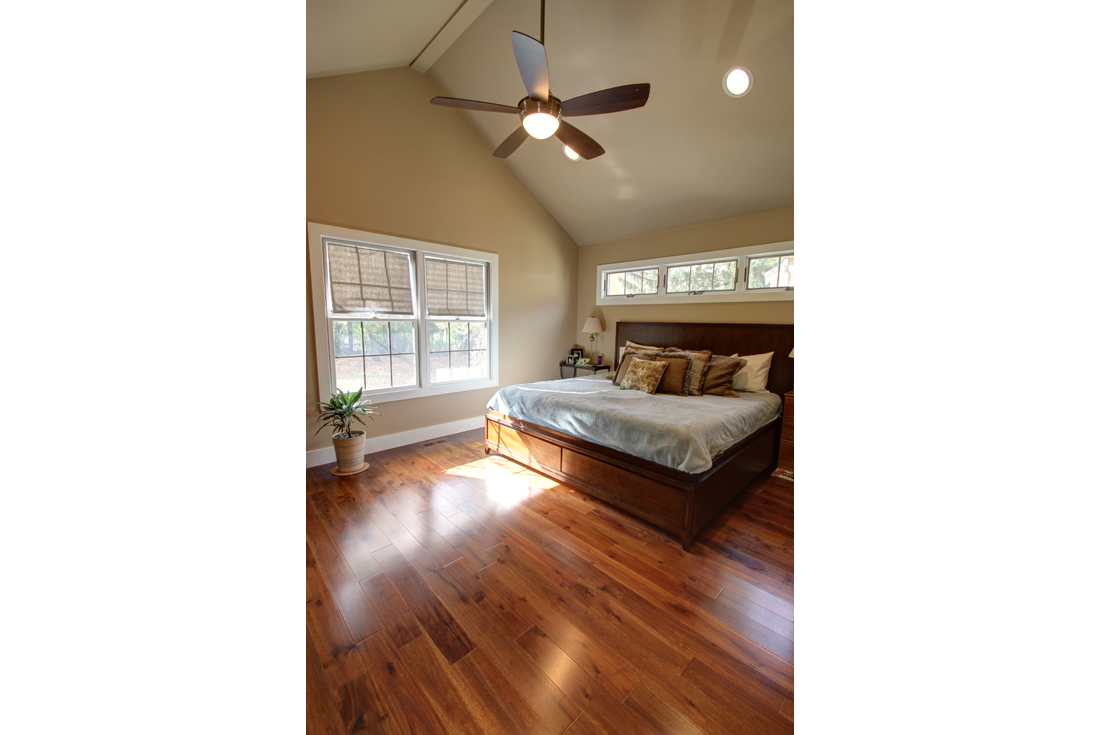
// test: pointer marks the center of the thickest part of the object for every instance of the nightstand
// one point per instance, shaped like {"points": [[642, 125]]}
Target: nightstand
{"points": [[594, 368], [786, 439]]}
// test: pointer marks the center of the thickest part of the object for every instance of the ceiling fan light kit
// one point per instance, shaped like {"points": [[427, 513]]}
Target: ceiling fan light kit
{"points": [[571, 154], [541, 113], [540, 119]]}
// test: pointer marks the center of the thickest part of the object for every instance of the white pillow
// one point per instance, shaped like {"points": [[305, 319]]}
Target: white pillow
{"points": [[753, 378]]}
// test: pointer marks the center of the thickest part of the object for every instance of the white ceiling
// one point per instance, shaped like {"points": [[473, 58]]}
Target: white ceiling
{"points": [[691, 155]]}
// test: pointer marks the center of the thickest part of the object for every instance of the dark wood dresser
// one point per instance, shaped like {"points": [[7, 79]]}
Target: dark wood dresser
{"points": [[786, 439]]}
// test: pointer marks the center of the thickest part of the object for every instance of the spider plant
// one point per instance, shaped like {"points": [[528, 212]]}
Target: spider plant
{"points": [[341, 410]]}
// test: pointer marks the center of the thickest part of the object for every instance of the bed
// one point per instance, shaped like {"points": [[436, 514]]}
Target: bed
{"points": [[678, 501]]}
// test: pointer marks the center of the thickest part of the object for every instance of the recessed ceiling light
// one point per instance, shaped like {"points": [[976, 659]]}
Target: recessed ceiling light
{"points": [[737, 82], [571, 154]]}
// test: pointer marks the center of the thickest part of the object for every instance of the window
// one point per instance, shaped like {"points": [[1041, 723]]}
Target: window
{"points": [[771, 272], [401, 318], [754, 273], [631, 283], [458, 347], [702, 277]]}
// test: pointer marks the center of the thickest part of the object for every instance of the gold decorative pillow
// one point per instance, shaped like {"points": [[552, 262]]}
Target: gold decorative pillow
{"points": [[644, 375], [674, 381], [696, 366], [719, 378]]}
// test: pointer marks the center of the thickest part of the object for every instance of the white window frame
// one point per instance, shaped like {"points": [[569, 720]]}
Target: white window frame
{"points": [[740, 293], [323, 316]]}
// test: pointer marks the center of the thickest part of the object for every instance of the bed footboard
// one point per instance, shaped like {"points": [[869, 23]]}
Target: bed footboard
{"points": [[677, 501]]}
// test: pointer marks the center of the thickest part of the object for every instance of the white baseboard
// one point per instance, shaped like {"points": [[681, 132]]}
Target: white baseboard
{"points": [[391, 441]]}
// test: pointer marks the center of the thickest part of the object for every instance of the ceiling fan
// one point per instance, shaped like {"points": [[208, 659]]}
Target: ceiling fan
{"points": [[540, 112]]}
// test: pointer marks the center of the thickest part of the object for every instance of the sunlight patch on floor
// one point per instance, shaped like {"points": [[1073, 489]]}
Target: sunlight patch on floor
{"points": [[505, 483]]}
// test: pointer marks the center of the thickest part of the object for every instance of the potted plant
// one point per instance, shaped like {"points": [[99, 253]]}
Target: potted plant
{"points": [[339, 413]]}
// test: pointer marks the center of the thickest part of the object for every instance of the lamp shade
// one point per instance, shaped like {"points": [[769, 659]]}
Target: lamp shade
{"points": [[792, 353], [592, 326]]}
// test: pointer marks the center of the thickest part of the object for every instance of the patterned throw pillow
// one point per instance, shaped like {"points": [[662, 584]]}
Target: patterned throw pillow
{"points": [[697, 366], [673, 382], [644, 375], [719, 378], [701, 360]]}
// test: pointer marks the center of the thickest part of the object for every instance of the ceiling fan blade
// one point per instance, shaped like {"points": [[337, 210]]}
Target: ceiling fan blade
{"points": [[578, 141], [473, 105], [531, 59], [513, 141], [616, 99]]}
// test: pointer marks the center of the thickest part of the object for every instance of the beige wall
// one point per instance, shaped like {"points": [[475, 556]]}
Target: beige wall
{"points": [[381, 159], [753, 229]]}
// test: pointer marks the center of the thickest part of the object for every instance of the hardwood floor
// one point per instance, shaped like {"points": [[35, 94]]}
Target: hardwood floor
{"points": [[448, 591]]}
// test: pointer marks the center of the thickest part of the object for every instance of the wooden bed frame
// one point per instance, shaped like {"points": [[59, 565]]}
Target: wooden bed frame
{"points": [[677, 501]]}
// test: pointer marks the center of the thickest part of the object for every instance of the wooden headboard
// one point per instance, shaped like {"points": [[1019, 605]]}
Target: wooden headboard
{"points": [[721, 339]]}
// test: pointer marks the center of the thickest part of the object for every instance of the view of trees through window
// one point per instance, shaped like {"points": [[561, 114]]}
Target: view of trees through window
{"points": [[773, 272], [631, 283], [702, 277], [374, 354], [458, 350]]}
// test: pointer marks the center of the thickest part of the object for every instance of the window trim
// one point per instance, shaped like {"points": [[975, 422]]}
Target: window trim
{"points": [[741, 255], [326, 378]]}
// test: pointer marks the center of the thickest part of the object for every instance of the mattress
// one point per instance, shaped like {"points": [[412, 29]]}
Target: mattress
{"points": [[681, 432]]}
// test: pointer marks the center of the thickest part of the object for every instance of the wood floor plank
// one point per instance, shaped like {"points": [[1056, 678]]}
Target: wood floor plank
{"points": [[386, 698], [570, 523], [585, 725], [596, 702], [761, 635], [548, 702], [368, 530], [465, 545], [401, 625], [342, 584], [330, 512], [787, 710], [392, 513], [493, 692], [747, 560], [591, 655], [322, 716], [334, 643], [777, 549], [498, 608], [744, 544], [660, 715], [762, 719], [445, 692], [355, 552], [739, 605], [433, 615]]}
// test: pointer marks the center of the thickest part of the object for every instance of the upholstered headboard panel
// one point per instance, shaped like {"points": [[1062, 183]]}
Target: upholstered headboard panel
{"points": [[721, 339]]}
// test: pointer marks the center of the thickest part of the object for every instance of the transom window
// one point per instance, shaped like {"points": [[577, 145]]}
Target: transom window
{"points": [[756, 272], [632, 283], [702, 277], [771, 272]]}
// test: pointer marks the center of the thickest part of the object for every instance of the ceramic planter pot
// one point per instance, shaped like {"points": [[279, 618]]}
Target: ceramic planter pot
{"points": [[350, 451]]}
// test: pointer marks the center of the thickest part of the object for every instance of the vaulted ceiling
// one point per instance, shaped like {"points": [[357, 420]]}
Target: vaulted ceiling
{"points": [[691, 155]]}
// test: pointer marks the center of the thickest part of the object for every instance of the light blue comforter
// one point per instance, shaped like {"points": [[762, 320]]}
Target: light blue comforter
{"points": [[682, 432]]}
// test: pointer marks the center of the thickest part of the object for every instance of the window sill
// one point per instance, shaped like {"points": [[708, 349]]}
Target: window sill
{"points": [[390, 395], [705, 298]]}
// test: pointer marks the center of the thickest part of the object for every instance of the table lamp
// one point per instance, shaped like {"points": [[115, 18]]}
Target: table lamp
{"points": [[592, 327]]}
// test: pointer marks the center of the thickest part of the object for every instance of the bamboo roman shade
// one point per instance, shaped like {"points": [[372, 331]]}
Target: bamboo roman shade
{"points": [[455, 287], [369, 279]]}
